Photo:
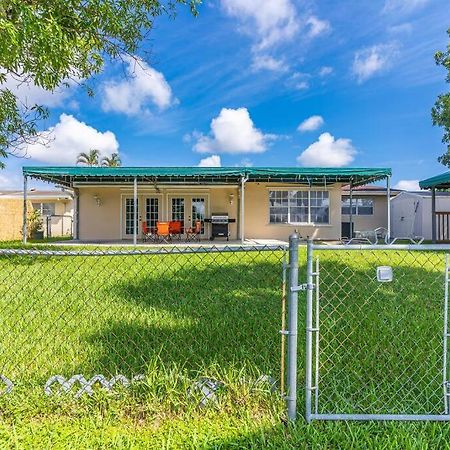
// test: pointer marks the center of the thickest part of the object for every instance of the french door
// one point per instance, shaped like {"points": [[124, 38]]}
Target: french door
{"points": [[187, 209], [128, 219], [152, 211]]}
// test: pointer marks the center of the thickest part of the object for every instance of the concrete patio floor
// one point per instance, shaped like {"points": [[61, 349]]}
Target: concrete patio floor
{"points": [[218, 243]]}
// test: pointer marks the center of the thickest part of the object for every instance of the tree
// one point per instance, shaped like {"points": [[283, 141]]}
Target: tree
{"points": [[112, 161], [440, 113], [58, 42], [90, 158]]}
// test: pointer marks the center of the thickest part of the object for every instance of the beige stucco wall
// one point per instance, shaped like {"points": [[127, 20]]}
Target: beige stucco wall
{"points": [[378, 219], [11, 217], [106, 221], [257, 224]]}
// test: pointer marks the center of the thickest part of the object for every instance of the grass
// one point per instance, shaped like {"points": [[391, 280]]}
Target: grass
{"points": [[175, 318]]}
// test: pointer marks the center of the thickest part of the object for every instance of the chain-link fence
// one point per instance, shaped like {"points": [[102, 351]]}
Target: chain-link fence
{"points": [[175, 319], [376, 333]]}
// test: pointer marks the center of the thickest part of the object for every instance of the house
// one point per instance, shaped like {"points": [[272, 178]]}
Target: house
{"points": [[411, 213], [56, 209], [260, 203], [440, 218], [369, 208]]}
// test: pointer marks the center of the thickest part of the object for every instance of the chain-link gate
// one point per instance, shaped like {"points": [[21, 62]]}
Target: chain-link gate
{"points": [[376, 322], [177, 319], [376, 333]]}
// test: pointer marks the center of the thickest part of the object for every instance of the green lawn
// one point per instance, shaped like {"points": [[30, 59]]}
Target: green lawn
{"points": [[175, 318]]}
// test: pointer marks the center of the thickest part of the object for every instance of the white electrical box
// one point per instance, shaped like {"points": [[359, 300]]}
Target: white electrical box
{"points": [[385, 274]]}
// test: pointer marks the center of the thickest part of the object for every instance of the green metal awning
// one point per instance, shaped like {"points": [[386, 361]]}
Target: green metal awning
{"points": [[441, 181], [68, 176]]}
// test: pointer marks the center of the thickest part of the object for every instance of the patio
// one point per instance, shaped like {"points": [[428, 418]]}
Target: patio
{"points": [[175, 243]]}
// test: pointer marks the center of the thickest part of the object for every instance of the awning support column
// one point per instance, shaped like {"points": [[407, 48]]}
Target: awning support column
{"points": [[351, 210], [433, 215], [388, 193], [242, 204], [135, 212], [76, 213], [25, 212]]}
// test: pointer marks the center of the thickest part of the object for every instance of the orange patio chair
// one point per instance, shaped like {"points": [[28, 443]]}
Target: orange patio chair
{"points": [[148, 234], [194, 233], [163, 232], [175, 229]]}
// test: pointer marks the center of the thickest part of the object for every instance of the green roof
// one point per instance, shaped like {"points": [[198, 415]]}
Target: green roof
{"points": [[67, 176], [441, 181]]}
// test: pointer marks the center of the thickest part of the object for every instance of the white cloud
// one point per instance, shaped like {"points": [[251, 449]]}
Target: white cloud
{"points": [[403, 6], [301, 85], [408, 185], [272, 21], [298, 81], [328, 152], [246, 162], [266, 62], [325, 70], [233, 131], [10, 179], [68, 138], [317, 27], [131, 96], [210, 161], [311, 123], [402, 28], [29, 94], [372, 60]]}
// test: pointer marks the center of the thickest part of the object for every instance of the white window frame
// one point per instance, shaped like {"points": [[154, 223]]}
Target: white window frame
{"points": [[355, 205], [309, 222], [41, 208]]}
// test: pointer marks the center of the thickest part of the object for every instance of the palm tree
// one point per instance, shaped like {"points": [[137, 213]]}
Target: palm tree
{"points": [[90, 158], [112, 161]]}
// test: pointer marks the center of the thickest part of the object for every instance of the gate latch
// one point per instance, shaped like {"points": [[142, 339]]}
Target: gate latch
{"points": [[303, 287]]}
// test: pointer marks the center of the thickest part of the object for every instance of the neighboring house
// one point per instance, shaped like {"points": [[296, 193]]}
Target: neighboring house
{"points": [[261, 203], [411, 213], [56, 208], [369, 208]]}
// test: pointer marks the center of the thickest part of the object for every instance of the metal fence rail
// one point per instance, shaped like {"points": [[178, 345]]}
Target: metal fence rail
{"points": [[77, 321], [376, 333]]}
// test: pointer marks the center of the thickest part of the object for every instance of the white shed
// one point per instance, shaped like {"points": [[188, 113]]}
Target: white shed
{"points": [[411, 213]]}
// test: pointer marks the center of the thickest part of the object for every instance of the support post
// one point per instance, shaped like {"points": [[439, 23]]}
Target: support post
{"points": [[25, 212], [242, 227], [135, 212], [76, 212], [388, 194], [351, 209], [291, 398], [433, 215], [309, 329]]}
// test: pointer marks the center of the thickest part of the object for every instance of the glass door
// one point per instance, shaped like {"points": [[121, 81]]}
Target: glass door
{"points": [[129, 217], [151, 212], [198, 211], [177, 209]]}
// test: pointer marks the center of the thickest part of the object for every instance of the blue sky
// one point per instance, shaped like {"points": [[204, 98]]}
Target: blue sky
{"points": [[237, 84]]}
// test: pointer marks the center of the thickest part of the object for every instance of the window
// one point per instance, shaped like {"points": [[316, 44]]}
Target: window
{"points": [[151, 211], [46, 209], [360, 206], [129, 215], [299, 207]]}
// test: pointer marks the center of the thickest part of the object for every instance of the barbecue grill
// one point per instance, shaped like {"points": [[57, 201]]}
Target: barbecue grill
{"points": [[219, 225]]}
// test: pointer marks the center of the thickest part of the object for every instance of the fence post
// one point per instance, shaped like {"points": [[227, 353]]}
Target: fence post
{"points": [[309, 328], [291, 398]]}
